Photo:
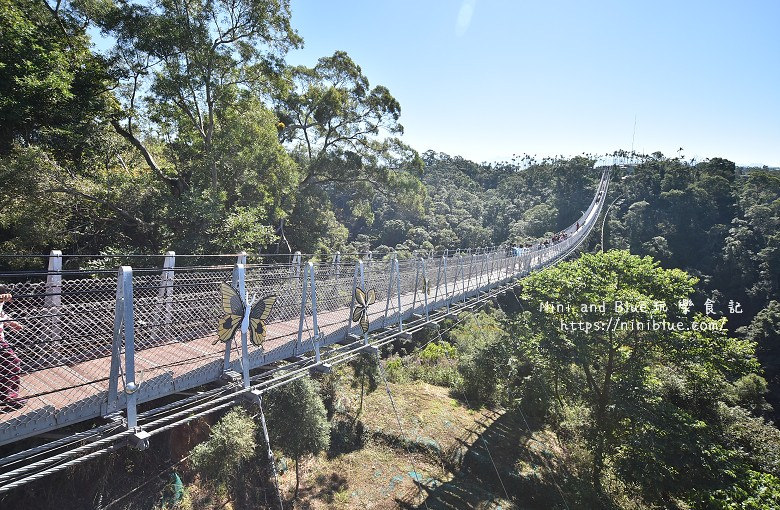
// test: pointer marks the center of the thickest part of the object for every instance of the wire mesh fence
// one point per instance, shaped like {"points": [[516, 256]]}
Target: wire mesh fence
{"points": [[62, 355]]}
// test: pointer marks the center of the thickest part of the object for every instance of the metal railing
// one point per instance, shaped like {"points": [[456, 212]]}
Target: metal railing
{"points": [[99, 342]]}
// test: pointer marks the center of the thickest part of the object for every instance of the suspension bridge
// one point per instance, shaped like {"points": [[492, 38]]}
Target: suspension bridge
{"points": [[109, 358]]}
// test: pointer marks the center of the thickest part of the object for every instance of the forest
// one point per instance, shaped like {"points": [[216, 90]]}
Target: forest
{"points": [[191, 133]]}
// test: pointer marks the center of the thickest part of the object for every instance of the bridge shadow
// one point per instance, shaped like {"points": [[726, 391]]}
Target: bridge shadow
{"points": [[503, 465]]}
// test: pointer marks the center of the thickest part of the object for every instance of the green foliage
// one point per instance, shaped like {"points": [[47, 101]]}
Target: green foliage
{"points": [[51, 85], [435, 352], [480, 340], [749, 391], [750, 490], [658, 401], [231, 444], [297, 421], [333, 122], [366, 377], [394, 370]]}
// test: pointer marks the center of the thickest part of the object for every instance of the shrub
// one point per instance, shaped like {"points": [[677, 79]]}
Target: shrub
{"points": [[232, 443], [394, 370]]}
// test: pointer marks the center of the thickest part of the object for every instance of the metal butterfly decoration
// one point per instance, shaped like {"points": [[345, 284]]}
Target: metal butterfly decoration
{"points": [[362, 301], [235, 308]]}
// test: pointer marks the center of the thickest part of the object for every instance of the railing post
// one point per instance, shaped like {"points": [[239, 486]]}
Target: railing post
{"points": [[124, 322], [357, 279], [53, 302], [471, 269], [389, 287], [464, 282], [490, 258], [116, 345], [335, 267], [395, 276], [296, 263], [165, 295], [455, 277], [240, 271], [315, 328], [481, 271], [129, 321], [421, 269], [309, 286], [444, 271]]}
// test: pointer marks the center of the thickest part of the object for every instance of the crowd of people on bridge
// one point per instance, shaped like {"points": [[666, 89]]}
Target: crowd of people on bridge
{"points": [[545, 243]]}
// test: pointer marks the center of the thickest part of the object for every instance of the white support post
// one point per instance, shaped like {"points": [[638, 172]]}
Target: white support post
{"points": [[165, 296], [395, 277], [455, 278], [129, 329], [296, 264], [489, 259], [53, 302], [471, 270], [357, 279], [124, 322], [444, 272], [464, 281], [389, 288], [116, 346], [241, 258], [335, 265], [438, 282], [240, 271], [421, 272], [309, 291], [481, 272], [304, 297]]}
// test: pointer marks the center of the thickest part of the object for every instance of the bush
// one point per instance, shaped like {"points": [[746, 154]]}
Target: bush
{"points": [[435, 352], [395, 371], [232, 443]]}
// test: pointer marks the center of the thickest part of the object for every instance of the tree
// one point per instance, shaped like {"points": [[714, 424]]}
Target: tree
{"points": [[366, 372], [334, 123], [51, 85], [232, 442], [618, 372], [182, 65], [297, 422]]}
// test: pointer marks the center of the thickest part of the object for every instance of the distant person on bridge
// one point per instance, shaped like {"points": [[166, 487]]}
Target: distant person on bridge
{"points": [[10, 364]]}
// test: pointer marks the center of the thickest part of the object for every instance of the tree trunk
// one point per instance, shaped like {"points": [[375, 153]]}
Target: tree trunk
{"points": [[603, 429], [360, 406], [297, 477]]}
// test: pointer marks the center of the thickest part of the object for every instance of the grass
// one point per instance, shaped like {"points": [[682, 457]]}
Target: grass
{"points": [[444, 456], [437, 431]]}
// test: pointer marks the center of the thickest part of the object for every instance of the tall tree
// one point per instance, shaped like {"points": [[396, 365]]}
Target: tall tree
{"points": [[182, 64], [297, 422], [342, 132], [617, 363]]}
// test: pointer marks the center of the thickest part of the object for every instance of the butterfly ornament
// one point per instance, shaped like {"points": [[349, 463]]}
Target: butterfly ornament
{"points": [[362, 301], [240, 312]]}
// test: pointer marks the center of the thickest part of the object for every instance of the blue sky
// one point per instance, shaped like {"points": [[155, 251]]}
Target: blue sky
{"points": [[489, 79]]}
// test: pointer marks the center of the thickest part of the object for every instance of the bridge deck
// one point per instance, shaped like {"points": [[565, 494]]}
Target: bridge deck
{"points": [[65, 345], [61, 395]]}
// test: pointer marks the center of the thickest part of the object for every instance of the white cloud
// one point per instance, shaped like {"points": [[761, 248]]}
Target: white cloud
{"points": [[464, 16]]}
